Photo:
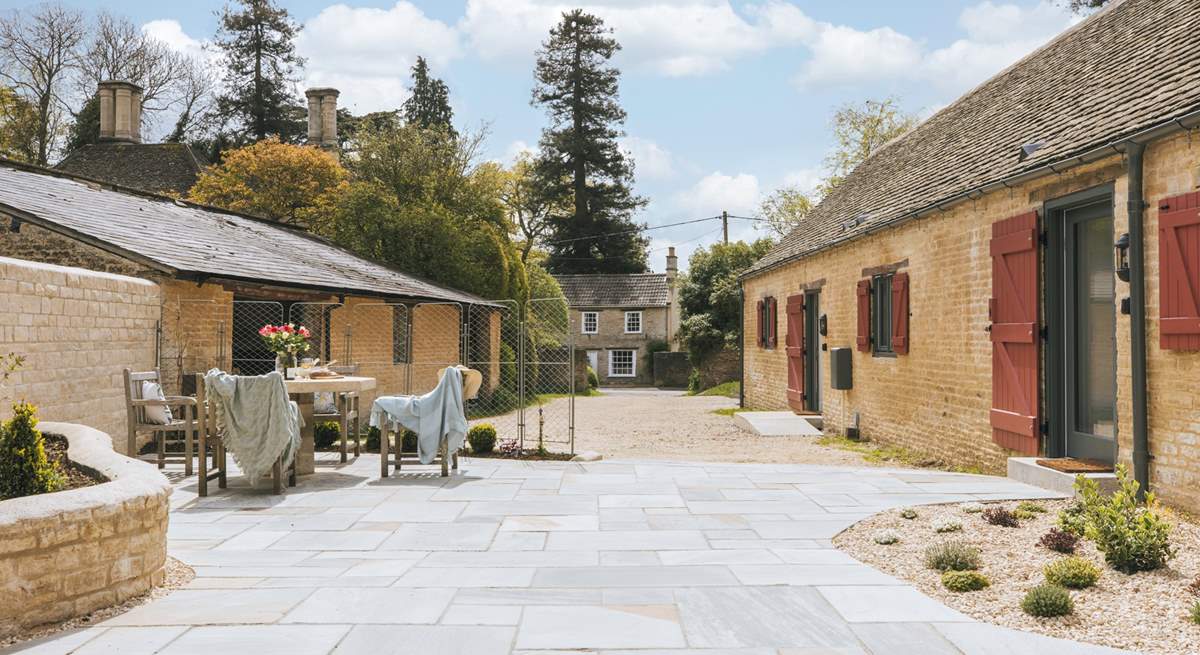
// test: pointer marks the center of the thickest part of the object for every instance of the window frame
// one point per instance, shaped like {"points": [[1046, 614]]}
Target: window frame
{"points": [[640, 326], [881, 314], [583, 322], [767, 323], [632, 363]]}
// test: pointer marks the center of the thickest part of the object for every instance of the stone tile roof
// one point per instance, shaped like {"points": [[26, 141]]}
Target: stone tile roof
{"points": [[166, 168], [615, 290], [197, 242], [1129, 68]]}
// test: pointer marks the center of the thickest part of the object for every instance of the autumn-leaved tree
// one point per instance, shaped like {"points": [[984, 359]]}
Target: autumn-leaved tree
{"points": [[859, 130], [18, 127], [274, 180]]}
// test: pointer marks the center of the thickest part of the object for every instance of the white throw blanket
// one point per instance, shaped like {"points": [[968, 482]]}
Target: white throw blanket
{"points": [[434, 416], [257, 421]]}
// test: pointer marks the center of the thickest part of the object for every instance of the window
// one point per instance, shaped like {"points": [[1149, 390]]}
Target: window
{"points": [[633, 322], [622, 363], [591, 322], [881, 314], [766, 322], [400, 334]]}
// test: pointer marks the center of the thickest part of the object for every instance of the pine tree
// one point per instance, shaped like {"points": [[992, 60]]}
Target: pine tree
{"points": [[260, 67], [429, 105], [581, 166]]}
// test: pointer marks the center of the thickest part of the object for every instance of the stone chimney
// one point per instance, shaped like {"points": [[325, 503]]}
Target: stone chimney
{"points": [[672, 266], [673, 298], [322, 119], [120, 111]]}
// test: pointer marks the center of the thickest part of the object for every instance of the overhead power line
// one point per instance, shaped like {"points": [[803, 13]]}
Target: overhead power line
{"points": [[632, 231]]}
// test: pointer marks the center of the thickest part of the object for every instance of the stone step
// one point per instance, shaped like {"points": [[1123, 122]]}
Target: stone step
{"points": [[779, 424], [1027, 470]]}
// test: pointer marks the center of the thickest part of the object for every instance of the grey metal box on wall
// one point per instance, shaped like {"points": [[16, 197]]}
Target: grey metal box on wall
{"points": [[839, 368]]}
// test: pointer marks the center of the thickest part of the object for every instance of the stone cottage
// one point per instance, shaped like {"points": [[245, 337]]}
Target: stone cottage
{"points": [[1018, 275], [616, 318]]}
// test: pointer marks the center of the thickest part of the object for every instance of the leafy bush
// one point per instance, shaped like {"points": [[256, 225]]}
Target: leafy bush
{"points": [[593, 379], [482, 438], [1132, 535], [960, 581], [1060, 541], [1000, 516], [408, 442], [1031, 507], [1194, 612], [372, 443], [1072, 573], [1047, 600], [694, 382], [908, 513], [886, 538], [971, 508], [952, 556], [1073, 518], [947, 525], [24, 470], [326, 433], [1024, 514]]}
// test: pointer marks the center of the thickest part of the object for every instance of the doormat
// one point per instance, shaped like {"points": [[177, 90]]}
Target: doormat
{"points": [[1072, 465]]}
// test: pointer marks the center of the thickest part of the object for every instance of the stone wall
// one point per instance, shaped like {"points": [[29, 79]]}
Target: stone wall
{"points": [[937, 398], [611, 336], [69, 553], [672, 369], [77, 330], [720, 367], [38, 244]]}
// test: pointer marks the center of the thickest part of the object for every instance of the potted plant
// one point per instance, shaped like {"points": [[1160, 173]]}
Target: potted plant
{"points": [[288, 342]]}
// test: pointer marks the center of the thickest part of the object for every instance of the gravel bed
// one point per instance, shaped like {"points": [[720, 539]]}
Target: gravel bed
{"points": [[1145, 612], [178, 575]]}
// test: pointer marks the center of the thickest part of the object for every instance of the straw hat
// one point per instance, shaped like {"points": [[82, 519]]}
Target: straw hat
{"points": [[472, 381]]}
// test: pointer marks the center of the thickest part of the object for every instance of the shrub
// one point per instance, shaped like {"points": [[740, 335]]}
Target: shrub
{"points": [[1024, 514], [947, 525], [908, 513], [372, 443], [1047, 600], [886, 538], [952, 556], [1000, 516], [1060, 541], [971, 508], [1132, 535], [326, 433], [694, 382], [1073, 518], [24, 470], [1031, 507], [408, 442], [960, 581], [1194, 612], [482, 438], [593, 379], [1072, 573]]}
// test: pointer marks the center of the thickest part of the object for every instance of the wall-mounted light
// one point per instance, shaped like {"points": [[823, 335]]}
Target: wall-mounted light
{"points": [[1122, 257], [823, 325]]}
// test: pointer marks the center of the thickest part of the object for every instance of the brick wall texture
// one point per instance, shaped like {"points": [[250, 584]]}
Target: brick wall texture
{"points": [[77, 330], [936, 399]]}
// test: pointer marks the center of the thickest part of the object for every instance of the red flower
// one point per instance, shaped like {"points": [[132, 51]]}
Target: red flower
{"points": [[288, 328], [304, 332]]}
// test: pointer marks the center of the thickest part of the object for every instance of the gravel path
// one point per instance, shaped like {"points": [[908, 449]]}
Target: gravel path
{"points": [[661, 424]]}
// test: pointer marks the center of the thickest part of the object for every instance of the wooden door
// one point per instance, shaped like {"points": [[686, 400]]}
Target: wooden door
{"points": [[1013, 312], [795, 352], [1179, 272]]}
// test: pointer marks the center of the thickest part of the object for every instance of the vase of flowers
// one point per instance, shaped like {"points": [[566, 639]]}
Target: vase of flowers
{"points": [[287, 341]]}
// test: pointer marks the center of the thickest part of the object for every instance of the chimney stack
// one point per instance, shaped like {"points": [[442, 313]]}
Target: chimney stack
{"points": [[322, 119], [672, 266], [120, 111]]}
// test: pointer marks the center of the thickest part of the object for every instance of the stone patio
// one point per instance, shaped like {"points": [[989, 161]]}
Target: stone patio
{"points": [[614, 557]]}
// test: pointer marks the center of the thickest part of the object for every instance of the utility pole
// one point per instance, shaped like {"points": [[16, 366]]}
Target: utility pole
{"points": [[725, 225]]}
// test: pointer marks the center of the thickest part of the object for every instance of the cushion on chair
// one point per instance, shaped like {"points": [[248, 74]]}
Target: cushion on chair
{"points": [[155, 414]]}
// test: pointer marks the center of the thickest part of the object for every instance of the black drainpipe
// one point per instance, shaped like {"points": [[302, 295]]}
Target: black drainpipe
{"points": [[1137, 295], [742, 344]]}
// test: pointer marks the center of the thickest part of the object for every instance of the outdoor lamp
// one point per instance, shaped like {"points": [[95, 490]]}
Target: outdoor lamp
{"points": [[1122, 257]]}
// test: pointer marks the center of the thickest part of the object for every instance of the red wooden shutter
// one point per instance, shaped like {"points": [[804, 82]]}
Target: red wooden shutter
{"points": [[762, 342], [1179, 272], [864, 315], [900, 313], [1013, 311], [773, 329], [795, 352]]}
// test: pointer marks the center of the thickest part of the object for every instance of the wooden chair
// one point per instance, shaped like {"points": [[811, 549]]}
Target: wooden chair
{"points": [[135, 407], [347, 417], [209, 435], [387, 459]]}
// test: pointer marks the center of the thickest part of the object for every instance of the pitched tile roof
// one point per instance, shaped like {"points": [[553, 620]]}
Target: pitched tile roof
{"points": [[190, 240], [614, 290], [1129, 68], [167, 168]]}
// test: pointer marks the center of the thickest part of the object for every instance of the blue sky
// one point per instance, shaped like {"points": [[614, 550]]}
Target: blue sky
{"points": [[727, 100]]}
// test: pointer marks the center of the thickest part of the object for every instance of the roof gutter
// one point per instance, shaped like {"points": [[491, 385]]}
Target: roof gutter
{"points": [[1182, 123], [1137, 297]]}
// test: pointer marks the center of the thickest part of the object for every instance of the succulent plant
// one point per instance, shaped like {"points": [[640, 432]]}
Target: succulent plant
{"points": [[886, 537], [908, 513], [947, 525]]}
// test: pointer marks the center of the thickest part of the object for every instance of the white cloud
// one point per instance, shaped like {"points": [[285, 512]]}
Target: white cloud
{"points": [[366, 52], [806, 179], [518, 148], [651, 160], [170, 32], [717, 192]]}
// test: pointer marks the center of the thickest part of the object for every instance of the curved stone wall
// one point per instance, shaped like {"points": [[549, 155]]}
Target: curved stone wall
{"points": [[68, 553]]}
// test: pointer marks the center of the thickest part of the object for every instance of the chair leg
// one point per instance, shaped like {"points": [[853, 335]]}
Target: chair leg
{"points": [[383, 452], [203, 442], [443, 455], [277, 477], [344, 425], [189, 433], [357, 433], [223, 479], [161, 438], [292, 474], [455, 461]]}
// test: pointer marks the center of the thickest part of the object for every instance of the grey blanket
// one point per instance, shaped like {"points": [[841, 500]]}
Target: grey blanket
{"points": [[257, 421], [434, 416]]}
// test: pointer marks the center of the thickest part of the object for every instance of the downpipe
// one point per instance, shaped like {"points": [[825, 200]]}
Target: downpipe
{"points": [[1137, 295]]}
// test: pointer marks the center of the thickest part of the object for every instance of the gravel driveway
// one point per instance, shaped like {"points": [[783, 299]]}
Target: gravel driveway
{"points": [[664, 424]]}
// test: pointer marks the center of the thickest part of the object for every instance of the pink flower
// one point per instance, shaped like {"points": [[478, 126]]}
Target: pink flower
{"points": [[304, 332], [288, 328]]}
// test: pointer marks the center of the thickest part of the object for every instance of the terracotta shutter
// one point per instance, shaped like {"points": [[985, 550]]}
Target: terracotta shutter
{"points": [[795, 352], [762, 342], [773, 323], [1013, 312], [864, 316], [900, 313], [1179, 272]]}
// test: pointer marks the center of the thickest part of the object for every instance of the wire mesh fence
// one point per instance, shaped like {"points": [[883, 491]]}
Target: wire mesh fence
{"points": [[250, 355], [548, 374], [436, 342], [493, 345], [318, 318], [377, 345], [193, 340]]}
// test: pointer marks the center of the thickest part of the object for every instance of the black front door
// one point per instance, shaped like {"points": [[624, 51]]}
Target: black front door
{"points": [[812, 354], [1088, 356]]}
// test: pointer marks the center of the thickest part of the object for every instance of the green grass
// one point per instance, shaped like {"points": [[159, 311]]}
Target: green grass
{"points": [[727, 389], [730, 411], [543, 398], [885, 454]]}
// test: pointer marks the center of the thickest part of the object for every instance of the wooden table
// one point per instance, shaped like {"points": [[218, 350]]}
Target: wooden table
{"points": [[302, 392]]}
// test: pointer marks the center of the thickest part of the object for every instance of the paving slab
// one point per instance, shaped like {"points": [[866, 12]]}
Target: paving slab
{"points": [[611, 626], [289, 639], [776, 424], [356, 605]]}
